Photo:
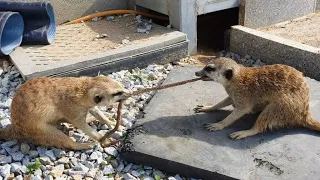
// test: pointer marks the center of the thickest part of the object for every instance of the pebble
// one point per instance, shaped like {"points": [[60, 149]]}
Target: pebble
{"points": [[24, 148], [128, 167], [159, 173], [5, 159], [120, 167], [17, 156], [5, 171], [57, 171], [111, 151], [128, 176], [9, 143], [108, 169], [45, 160], [135, 173], [110, 18]]}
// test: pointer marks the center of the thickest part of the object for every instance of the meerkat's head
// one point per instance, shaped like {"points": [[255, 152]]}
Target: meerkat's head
{"points": [[106, 91], [222, 70]]}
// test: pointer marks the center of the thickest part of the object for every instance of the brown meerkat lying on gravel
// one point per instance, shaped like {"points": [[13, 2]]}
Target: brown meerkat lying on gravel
{"points": [[279, 92], [41, 104]]}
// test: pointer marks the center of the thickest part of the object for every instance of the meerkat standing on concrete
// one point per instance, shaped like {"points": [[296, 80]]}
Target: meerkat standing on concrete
{"points": [[279, 92], [41, 104]]}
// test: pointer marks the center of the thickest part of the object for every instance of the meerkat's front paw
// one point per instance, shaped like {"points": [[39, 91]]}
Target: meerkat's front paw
{"points": [[214, 126], [202, 108], [239, 135]]}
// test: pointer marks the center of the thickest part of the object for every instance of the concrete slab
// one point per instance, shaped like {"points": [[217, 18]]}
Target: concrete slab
{"points": [[77, 47], [259, 13], [172, 138], [273, 49]]}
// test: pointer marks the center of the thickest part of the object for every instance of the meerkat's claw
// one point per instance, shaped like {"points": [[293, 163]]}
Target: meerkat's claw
{"points": [[201, 108], [239, 135], [214, 126]]}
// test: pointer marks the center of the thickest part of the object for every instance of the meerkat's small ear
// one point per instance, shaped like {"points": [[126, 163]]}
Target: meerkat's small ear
{"points": [[228, 74], [97, 99]]}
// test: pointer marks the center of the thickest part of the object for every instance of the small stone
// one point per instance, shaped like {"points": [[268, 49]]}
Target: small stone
{"points": [[83, 157], [33, 153], [108, 169], [5, 159], [148, 27], [128, 176], [17, 156], [135, 173], [104, 127], [125, 41], [114, 163], [89, 164], [4, 123], [93, 156], [141, 30], [57, 171], [92, 173], [169, 26], [81, 167], [51, 155], [73, 173], [159, 173], [128, 167], [110, 18], [58, 153], [9, 143], [24, 148], [111, 151], [41, 151], [147, 178], [120, 167], [19, 177], [26, 160], [171, 178], [63, 160], [45, 160], [5, 171], [16, 167], [177, 177], [38, 172], [49, 177]]}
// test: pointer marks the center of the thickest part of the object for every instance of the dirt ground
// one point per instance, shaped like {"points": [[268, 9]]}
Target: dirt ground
{"points": [[305, 30]]}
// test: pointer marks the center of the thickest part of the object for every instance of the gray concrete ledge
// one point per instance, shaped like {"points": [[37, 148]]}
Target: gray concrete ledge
{"points": [[272, 49], [29, 70]]}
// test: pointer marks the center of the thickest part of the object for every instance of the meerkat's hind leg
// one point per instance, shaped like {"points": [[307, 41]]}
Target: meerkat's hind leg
{"points": [[226, 102], [231, 118], [51, 136]]}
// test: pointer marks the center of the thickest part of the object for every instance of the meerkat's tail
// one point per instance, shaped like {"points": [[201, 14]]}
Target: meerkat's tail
{"points": [[313, 124]]}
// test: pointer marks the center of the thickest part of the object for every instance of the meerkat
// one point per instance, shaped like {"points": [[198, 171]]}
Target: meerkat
{"points": [[41, 104], [278, 92]]}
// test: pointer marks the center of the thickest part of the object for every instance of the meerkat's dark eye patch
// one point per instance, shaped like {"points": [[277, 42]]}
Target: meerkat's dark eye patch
{"points": [[118, 93], [97, 99], [228, 74], [210, 69]]}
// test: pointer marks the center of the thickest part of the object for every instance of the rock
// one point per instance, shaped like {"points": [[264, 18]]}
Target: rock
{"points": [[73, 173], [81, 167], [125, 41], [38, 172], [93, 156], [147, 178], [114, 163], [24, 148], [5, 159], [19, 177], [49, 177], [83, 157], [17, 156], [159, 173], [135, 173], [9, 143], [89, 164], [41, 151], [26, 160], [92, 173], [171, 178], [120, 167], [45, 160], [111, 151], [177, 177], [128, 167], [57, 171], [5, 171], [128, 176], [63, 160], [148, 27], [108, 169], [58, 153], [51, 155], [141, 30], [15, 167], [110, 18], [33, 153]]}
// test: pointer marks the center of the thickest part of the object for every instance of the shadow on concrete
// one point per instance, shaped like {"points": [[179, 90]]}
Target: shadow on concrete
{"points": [[192, 127]]}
